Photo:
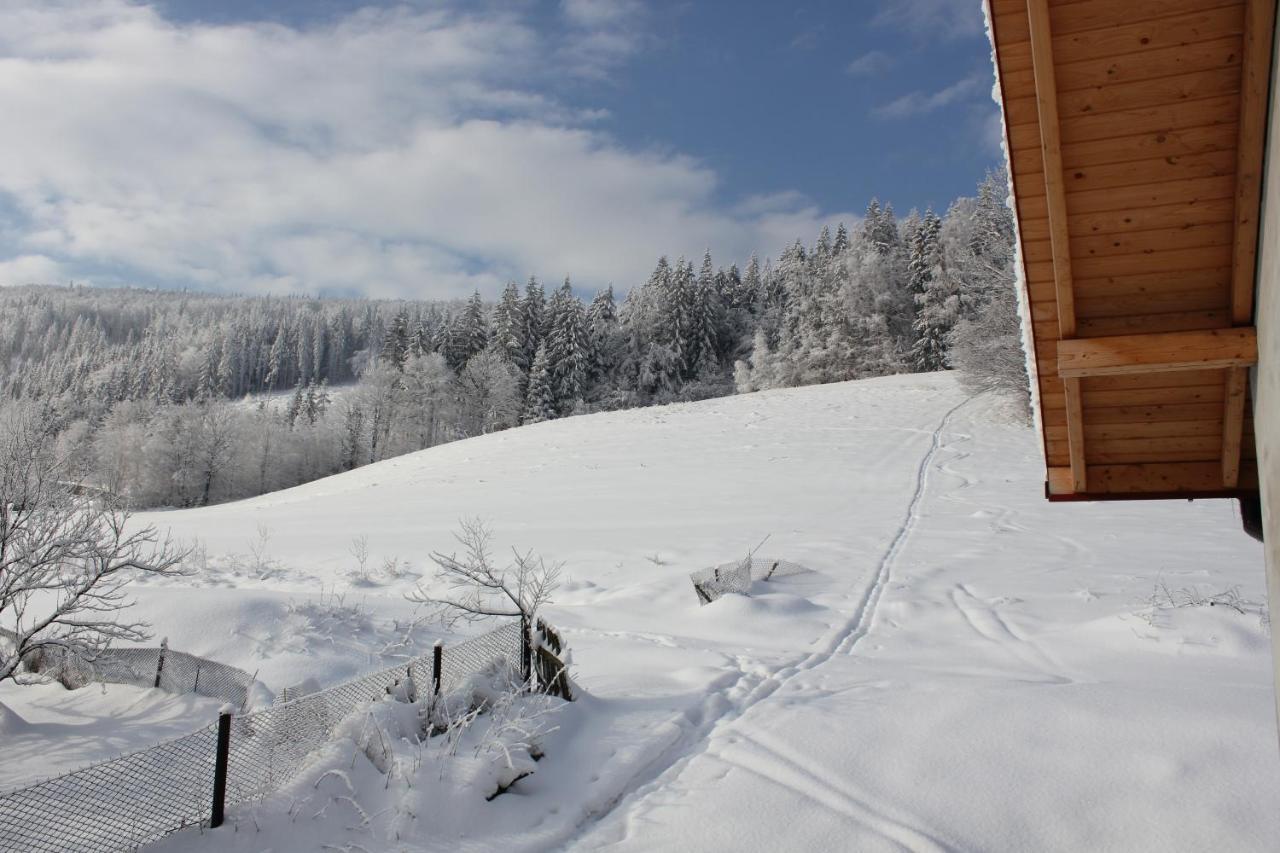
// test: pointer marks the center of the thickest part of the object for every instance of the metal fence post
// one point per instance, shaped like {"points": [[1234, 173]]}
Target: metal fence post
{"points": [[164, 647], [437, 655], [220, 767]]}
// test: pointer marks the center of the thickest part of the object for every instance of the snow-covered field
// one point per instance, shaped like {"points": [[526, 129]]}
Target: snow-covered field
{"points": [[966, 666]]}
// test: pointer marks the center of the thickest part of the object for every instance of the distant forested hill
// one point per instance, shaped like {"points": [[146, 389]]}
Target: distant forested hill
{"points": [[139, 384]]}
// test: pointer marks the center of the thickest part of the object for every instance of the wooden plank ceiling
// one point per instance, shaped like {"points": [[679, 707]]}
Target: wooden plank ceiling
{"points": [[1136, 134]]}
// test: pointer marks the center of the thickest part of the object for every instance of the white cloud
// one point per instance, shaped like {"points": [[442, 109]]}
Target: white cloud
{"points": [[870, 64], [599, 13], [919, 103], [31, 269], [393, 152], [931, 19]]}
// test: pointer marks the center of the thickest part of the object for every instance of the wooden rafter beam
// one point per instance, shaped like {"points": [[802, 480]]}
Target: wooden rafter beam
{"points": [[1155, 353], [1233, 425], [1059, 233], [1254, 91]]}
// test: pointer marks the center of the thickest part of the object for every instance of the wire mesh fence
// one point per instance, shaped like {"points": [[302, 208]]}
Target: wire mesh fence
{"points": [[172, 671], [738, 577], [134, 799]]}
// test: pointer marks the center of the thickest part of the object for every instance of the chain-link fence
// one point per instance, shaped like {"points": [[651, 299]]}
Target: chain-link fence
{"points": [[134, 799], [172, 671], [738, 577]]}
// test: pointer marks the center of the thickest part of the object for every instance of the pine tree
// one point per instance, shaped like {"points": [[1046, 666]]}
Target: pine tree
{"points": [[930, 290], [568, 347], [509, 326], [276, 362], [540, 401], [705, 323], [534, 311], [473, 327], [395, 344], [841, 244], [602, 324]]}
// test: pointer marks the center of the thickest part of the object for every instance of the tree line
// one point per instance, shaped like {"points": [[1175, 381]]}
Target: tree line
{"points": [[178, 399]]}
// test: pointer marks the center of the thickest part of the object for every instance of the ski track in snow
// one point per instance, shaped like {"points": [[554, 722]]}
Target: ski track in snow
{"points": [[726, 705]]}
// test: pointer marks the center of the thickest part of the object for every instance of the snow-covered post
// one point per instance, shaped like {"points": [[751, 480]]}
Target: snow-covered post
{"points": [[164, 647], [437, 655], [526, 652], [220, 767]]}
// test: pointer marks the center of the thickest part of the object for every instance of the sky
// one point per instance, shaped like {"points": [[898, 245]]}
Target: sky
{"points": [[429, 149]]}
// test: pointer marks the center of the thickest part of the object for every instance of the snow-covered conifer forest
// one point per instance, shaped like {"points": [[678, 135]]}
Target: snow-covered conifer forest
{"points": [[182, 399]]}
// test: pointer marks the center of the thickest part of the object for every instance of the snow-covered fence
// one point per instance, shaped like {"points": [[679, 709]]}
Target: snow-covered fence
{"points": [[137, 798], [738, 577], [173, 671]]}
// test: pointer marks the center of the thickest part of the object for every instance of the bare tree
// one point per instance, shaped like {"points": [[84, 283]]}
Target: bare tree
{"points": [[478, 588], [65, 558]]}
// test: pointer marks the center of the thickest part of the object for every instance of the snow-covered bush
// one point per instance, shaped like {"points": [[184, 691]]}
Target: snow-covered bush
{"points": [[478, 588]]}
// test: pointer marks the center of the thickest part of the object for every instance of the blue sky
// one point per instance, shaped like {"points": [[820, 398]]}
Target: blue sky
{"points": [[429, 149]]}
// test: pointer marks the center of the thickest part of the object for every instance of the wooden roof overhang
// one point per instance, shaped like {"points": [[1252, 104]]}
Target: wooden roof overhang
{"points": [[1135, 132]]}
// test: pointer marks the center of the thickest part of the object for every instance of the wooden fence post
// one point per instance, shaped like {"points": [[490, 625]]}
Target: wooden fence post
{"points": [[526, 652], [220, 767], [437, 654], [164, 647]]}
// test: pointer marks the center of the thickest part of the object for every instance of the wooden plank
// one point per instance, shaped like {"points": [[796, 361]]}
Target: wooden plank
{"points": [[1233, 425], [1176, 89], [1152, 145], [1108, 398], [1203, 257], [1159, 302], [1155, 240], [1188, 192], [1095, 327], [1167, 478], [1075, 17], [1130, 414], [1094, 398], [1161, 477], [1170, 449], [1183, 59], [1202, 211], [1177, 379], [1051, 152], [1255, 83], [1075, 435], [1236, 347], [1206, 112], [1152, 323], [1102, 432], [1169, 167], [1155, 282], [1143, 36]]}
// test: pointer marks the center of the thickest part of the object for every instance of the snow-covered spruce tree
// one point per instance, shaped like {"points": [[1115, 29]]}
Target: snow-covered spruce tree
{"points": [[509, 327], [65, 559], [606, 341], [533, 310], [540, 401], [706, 321], [934, 305], [569, 349], [473, 327], [395, 345]]}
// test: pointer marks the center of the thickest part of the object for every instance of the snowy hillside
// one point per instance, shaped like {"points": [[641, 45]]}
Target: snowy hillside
{"points": [[966, 666]]}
